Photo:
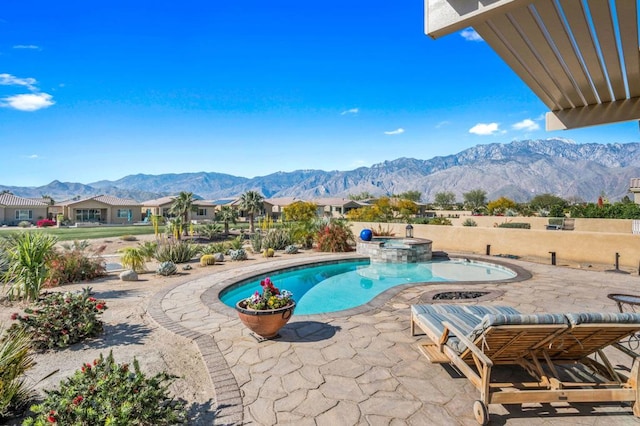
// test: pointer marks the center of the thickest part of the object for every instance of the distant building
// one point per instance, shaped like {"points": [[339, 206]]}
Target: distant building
{"points": [[14, 209], [635, 188], [203, 210], [103, 209]]}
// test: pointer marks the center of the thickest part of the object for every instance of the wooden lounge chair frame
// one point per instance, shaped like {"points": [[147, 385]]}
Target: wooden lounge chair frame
{"points": [[541, 349]]}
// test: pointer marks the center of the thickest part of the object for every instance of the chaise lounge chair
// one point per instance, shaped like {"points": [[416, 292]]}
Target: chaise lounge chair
{"points": [[554, 349]]}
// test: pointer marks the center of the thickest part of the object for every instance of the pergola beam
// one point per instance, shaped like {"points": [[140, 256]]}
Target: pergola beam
{"points": [[592, 115], [443, 17]]}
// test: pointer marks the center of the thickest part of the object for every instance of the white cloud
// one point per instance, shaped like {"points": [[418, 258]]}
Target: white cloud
{"points": [[33, 156], [10, 80], [470, 34], [442, 124], [485, 129], [395, 132], [350, 111], [26, 46], [28, 102], [527, 125]]}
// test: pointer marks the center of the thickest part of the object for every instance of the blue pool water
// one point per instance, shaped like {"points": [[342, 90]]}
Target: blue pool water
{"points": [[336, 286]]}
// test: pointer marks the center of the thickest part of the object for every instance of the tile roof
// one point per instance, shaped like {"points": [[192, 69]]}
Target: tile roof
{"points": [[10, 200], [282, 201], [106, 199], [159, 201]]}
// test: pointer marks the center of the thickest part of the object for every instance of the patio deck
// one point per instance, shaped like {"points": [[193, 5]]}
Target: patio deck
{"points": [[362, 366]]}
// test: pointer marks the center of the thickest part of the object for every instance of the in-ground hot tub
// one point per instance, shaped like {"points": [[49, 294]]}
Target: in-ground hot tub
{"points": [[395, 250]]}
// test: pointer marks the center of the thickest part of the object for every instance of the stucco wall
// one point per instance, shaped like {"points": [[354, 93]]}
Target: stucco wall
{"points": [[622, 226], [574, 246]]}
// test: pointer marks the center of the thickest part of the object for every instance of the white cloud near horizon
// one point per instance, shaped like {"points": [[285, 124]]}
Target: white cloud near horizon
{"points": [[26, 46], [485, 129], [11, 80], [350, 111], [470, 34], [527, 125], [28, 101], [398, 131]]}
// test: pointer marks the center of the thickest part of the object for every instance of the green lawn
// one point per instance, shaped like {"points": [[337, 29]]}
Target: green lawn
{"points": [[72, 234]]}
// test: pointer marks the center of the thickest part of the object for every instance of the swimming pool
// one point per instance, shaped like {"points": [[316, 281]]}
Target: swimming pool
{"points": [[334, 287]]}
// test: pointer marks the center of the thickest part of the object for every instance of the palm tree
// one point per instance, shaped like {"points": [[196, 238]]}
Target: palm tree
{"points": [[181, 206], [252, 203], [225, 215]]}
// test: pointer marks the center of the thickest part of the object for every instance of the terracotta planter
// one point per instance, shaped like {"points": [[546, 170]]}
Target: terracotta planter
{"points": [[265, 323]]}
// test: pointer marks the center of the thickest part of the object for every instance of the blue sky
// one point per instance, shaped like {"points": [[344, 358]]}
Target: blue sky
{"points": [[101, 90]]}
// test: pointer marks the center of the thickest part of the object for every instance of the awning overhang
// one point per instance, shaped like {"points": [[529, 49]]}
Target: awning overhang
{"points": [[580, 57]]}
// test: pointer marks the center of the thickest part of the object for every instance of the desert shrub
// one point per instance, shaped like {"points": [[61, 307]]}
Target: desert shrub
{"points": [[128, 238], [291, 249], [44, 223], [148, 249], [15, 360], [209, 230], [167, 268], [519, 225], [58, 320], [469, 222], [239, 254], [382, 232], [335, 236], [27, 254], [176, 251], [236, 243], [24, 224], [107, 393], [277, 239], [440, 221], [133, 258], [207, 259], [74, 264], [256, 242]]}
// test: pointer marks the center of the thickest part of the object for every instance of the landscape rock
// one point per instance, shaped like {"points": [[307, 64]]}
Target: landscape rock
{"points": [[128, 275]]}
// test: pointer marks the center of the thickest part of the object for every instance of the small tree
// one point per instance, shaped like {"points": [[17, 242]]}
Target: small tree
{"points": [[501, 205], [301, 211], [181, 206], [226, 215], [475, 199], [252, 203], [414, 196], [445, 199], [546, 201]]}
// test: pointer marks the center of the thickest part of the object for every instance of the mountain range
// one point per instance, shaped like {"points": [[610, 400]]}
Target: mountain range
{"points": [[518, 170]]}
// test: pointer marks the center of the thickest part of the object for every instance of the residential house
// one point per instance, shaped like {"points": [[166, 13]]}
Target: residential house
{"points": [[336, 207], [203, 210], [14, 209], [273, 207], [104, 209]]}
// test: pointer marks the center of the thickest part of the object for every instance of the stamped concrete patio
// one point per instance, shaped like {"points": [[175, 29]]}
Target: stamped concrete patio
{"points": [[362, 367]]}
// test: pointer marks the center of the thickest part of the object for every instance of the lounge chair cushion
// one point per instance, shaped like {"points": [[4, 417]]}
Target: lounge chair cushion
{"points": [[464, 317], [511, 319], [603, 318]]}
